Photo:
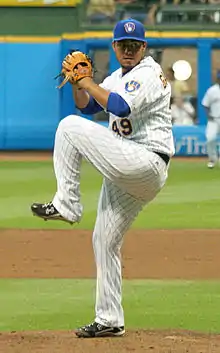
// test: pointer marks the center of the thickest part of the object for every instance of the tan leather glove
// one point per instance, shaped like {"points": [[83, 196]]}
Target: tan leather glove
{"points": [[76, 66]]}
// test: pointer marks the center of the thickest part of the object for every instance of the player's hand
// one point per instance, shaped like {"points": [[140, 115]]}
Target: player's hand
{"points": [[84, 82]]}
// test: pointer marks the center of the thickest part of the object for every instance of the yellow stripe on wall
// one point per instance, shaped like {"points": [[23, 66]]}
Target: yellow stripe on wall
{"points": [[175, 34], [107, 34], [210, 35], [84, 35], [39, 3], [150, 34]]}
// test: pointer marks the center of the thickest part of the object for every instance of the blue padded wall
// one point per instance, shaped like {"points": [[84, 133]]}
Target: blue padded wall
{"points": [[2, 95], [32, 103]]}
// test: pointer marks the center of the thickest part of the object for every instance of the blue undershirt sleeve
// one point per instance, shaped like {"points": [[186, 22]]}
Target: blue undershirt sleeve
{"points": [[92, 107], [117, 105]]}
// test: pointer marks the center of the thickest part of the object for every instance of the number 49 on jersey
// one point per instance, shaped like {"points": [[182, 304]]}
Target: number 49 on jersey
{"points": [[122, 127]]}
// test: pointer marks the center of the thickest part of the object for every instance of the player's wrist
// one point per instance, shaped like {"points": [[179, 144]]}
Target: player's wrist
{"points": [[85, 83], [76, 88]]}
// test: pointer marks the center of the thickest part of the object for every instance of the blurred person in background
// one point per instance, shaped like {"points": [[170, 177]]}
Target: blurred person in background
{"points": [[101, 10], [178, 88], [182, 112], [203, 15], [211, 102], [153, 7], [125, 1], [216, 15]]}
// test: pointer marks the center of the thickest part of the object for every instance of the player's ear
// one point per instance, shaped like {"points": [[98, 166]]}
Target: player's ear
{"points": [[144, 47], [113, 46]]}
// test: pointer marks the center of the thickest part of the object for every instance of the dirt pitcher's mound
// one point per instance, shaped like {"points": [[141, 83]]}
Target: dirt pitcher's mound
{"points": [[133, 341]]}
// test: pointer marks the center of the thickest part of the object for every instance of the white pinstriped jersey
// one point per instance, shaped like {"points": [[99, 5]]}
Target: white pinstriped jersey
{"points": [[147, 93]]}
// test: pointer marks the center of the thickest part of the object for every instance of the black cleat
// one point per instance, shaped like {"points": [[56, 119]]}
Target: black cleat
{"points": [[47, 211], [98, 330]]}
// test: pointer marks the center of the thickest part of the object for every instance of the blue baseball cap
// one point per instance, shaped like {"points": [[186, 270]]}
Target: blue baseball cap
{"points": [[129, 29]]}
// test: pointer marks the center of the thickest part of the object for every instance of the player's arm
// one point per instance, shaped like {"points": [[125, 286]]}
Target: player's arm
{"points": [[84, 102], [208, 115], [77, 69], [206, 103], [80, 96], [110, 101]]}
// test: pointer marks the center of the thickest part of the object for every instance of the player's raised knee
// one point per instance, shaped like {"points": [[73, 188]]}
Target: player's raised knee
{"points": [[68, 121]]}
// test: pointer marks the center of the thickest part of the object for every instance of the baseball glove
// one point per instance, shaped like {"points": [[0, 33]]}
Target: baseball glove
{"points": [[75, 66]]}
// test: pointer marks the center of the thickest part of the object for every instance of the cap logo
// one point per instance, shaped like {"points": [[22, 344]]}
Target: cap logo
{"points": [[129, 27]]}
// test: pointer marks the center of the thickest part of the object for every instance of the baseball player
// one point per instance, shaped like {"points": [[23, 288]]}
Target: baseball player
{"points": [[133, 155], [211, 102]]}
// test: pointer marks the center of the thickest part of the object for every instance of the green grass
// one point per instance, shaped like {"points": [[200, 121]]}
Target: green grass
{"points": [[190, 199], [66, 304]]}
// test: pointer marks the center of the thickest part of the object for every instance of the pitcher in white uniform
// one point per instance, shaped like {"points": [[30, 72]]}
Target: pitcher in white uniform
{"points": [[211, 102], [133, 155]]}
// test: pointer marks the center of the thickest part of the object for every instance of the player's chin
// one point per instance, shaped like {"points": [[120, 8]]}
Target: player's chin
{"points": [[127, 64]]}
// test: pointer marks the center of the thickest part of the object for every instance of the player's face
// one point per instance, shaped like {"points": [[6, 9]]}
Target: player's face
{"points": [[129, 52]]}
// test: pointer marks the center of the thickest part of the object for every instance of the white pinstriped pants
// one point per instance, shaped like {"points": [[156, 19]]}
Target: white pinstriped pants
{"points": [[132, 177]]}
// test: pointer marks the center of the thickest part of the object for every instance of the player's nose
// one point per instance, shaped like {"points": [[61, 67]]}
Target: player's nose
{"points": [[128, 51]]}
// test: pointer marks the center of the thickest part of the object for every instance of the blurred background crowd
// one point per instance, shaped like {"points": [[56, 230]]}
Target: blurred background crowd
{"points": [[152, 12]]}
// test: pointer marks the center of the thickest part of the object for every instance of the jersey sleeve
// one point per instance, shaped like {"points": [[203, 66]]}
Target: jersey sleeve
{"points": [[206, 99], [144, 88]]}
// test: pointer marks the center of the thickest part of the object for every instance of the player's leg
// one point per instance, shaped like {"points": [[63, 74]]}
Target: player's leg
{"points": [[211, 138], [124, 162], [75, 138], [116, 212]]}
